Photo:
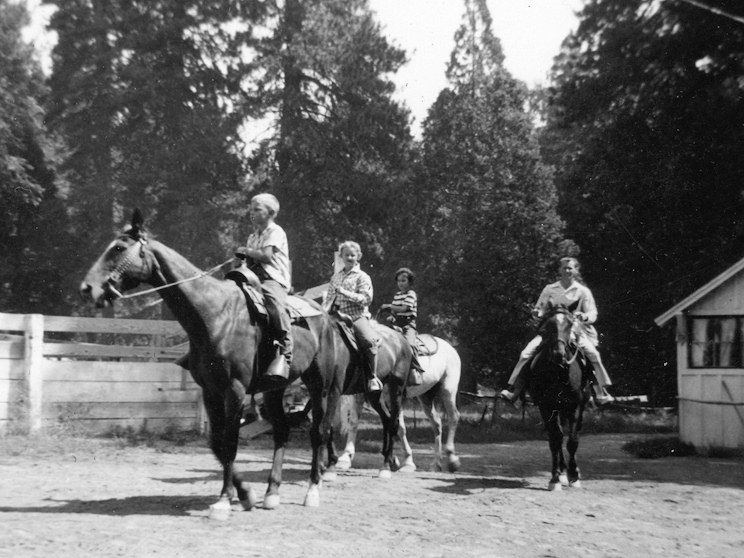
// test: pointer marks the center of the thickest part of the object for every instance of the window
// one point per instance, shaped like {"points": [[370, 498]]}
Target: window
{"points": [[716, 342]]}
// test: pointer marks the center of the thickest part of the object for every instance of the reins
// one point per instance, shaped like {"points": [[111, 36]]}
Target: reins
{"points": [[174, 283]]}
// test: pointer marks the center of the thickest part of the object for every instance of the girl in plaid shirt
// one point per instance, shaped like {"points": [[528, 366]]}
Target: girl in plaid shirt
{"points": [[350, 292]]}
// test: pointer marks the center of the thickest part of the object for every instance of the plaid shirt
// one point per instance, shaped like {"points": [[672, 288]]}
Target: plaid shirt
{"points": [[359, 292]]}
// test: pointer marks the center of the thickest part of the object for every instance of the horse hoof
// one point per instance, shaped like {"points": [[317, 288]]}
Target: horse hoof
{"points": [[554, 487], [344, 462], [453, 464], [385, 474], [575, 484], [312, 498], [330, 476], [250, 500], [220, 511], [408, 468], [563, 479], [395, 465], [271, 502]]}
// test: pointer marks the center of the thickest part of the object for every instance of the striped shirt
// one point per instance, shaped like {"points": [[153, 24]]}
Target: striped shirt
{"points": [[409, 300], [359, 285]]}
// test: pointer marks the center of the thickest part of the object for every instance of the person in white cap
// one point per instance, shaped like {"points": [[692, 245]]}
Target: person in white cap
{"points": [[267, 252]]}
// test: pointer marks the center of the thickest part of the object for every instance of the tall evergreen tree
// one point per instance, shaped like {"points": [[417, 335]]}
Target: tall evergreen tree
{"points": [[495, 201], [147, 95], [34, 237], [340, 145], [647, 114]]}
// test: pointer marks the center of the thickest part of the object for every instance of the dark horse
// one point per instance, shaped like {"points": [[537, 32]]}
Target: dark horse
{"points": [[560, 392], [230, 346]]}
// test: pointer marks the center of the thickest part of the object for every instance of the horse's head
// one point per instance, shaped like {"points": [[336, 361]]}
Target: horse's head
{"points": [[557, 324], [123, 265]]}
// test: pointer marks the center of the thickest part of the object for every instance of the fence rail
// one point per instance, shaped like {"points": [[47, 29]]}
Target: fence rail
{"points": [[129, 380]]}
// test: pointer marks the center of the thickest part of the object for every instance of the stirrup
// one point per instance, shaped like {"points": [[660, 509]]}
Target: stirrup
{"points": [[278, 368], [374, 384]]}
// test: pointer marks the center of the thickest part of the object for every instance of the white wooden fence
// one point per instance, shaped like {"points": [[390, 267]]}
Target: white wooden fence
{"points": [[50, 376]]}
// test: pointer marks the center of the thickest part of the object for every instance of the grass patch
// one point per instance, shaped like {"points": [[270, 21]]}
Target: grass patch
{"points": [[656, 448]]}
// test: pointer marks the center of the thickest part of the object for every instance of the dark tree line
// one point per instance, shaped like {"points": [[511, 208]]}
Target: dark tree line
{"points": [[645, 128], [150, 104]]}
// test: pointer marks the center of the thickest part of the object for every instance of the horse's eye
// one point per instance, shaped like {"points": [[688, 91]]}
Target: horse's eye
{"points": [[119, 248]]}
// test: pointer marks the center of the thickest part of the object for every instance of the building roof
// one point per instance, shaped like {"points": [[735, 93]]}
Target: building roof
{"points": [[700, 293]]}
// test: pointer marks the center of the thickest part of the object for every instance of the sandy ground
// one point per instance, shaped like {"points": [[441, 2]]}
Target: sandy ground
{"points": [[99, 499]]}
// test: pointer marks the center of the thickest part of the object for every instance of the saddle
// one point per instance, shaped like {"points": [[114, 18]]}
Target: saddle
{"points": [[426, 345], [297, 307]]}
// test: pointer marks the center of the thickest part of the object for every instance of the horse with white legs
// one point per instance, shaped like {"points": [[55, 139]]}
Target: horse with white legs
{"points": [[440, 382], [230, 348]]}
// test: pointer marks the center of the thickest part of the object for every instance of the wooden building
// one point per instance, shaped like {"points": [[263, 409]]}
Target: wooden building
{"points": [[710, 361]]}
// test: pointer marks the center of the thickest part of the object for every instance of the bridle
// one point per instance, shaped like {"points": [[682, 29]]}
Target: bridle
{"points": [[127, 260], [125, 263], [566, 342]]}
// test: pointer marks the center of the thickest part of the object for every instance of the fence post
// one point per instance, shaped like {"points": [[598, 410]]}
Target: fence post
{"points": [[33, 368]]}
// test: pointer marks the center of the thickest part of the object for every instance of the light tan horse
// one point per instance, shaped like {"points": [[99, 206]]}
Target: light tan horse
{"points": [[441, 379]]}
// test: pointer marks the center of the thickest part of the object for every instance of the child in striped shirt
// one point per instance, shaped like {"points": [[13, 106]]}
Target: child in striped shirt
{"points": [[403, 312], [403, 309]]}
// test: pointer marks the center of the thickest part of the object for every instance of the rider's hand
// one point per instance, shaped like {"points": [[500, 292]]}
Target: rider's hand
{"points": [[582, 316]]}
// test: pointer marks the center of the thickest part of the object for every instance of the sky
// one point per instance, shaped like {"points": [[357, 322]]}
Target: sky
{"points": [[531, 32]]}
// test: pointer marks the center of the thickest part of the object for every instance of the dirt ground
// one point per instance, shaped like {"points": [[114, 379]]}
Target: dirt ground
{"points": [[101, 499]]}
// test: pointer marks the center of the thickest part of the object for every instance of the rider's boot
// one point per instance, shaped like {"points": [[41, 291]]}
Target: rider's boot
{"points": [[520, 381], [601, 395], [373, 382], [279, 324], [415, 375], [278, 369]]}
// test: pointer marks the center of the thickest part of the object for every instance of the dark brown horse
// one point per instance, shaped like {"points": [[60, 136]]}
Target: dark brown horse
{"points": [[560, 392], [229, 347]]}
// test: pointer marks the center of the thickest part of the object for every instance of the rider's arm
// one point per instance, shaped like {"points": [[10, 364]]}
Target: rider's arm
{"points": [[588, 308], [542, 302], [261, 255]]}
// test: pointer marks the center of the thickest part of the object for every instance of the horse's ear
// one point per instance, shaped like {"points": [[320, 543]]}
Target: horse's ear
{"points": [[137, 222]]}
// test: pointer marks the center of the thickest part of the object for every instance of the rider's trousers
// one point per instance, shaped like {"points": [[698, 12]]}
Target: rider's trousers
{"points": [[588, 348]]}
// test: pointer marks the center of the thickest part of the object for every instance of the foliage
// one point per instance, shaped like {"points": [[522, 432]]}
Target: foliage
{"points": [[339, 145], [645, 125], [491, 200], [146, 95], [35, 244]]}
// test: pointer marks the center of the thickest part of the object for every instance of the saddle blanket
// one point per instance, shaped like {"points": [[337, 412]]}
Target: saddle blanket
{"points": [[297, 307]]}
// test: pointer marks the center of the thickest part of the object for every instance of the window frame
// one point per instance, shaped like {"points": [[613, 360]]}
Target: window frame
{"points": [[737, 343]]}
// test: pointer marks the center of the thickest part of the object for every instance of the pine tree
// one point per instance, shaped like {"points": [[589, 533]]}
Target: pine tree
{"points": [[147, 94], [646, 126], [498, 225], [340, 144]]}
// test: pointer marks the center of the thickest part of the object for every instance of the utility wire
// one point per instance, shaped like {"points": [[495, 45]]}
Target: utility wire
{"points": [[713, 9]]}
